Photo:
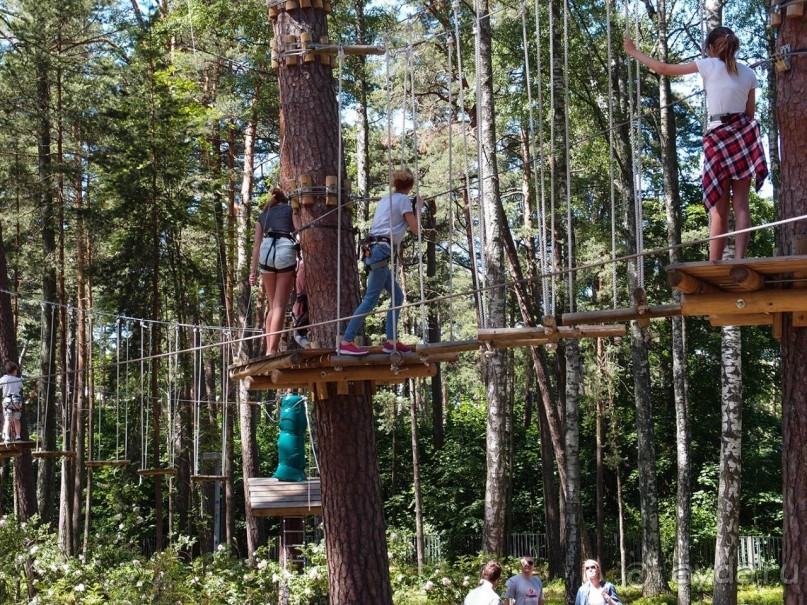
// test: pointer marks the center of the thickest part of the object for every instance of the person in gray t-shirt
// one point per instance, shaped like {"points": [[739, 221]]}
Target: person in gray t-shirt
{"points": [[524, 588]]}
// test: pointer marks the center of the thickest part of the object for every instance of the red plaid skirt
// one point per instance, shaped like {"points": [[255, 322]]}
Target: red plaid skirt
{"points": [[732, 152]]}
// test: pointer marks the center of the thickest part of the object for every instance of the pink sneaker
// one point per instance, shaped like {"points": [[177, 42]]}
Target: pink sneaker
{"points": [[399, 346], [348, 348]]}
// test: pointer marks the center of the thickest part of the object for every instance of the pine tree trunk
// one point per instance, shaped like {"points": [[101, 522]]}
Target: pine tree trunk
{"points": [[682, 571], [413, 420], [574, 530], [499, 419], [600, 540], [790, 111], [728, 495], [355, 541]]}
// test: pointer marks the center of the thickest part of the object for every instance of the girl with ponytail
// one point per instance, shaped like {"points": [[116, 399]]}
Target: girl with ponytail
{"points": [[732, 146]]}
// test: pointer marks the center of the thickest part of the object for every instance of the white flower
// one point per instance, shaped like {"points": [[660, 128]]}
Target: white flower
{"points": [[275, 578], [390, 554], [135, 563], [117, 517], [307, 591], [393, 536], [121, 526], [400, 578], [80, 588], [429, 585], [313, 573], [446, 581], [465, 582], [262, 564], [220, 547], [139, 583], [139, 519]]}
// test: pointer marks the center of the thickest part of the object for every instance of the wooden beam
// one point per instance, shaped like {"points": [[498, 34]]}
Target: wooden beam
{"points": [[451, 346], [731, 303], [620, 315], [683, 282], [266, 364], [747, 279], [348, 49], [745, 319], [303, 377], [501, 335]]}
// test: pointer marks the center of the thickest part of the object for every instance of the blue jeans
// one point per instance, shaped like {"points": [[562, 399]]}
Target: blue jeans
{"points": [[378, 279]]}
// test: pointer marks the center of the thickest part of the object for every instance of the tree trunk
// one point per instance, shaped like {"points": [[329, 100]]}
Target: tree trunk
{"points": [[600, 532], [435, 334], [499, 419], [728, 495], [682, 571], [355, 541], [358, 568], [413, 419], [574, 530], [791, 107]]}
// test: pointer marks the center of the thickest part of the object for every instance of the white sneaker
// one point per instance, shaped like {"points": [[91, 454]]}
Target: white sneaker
{"points": [[302, 341]]}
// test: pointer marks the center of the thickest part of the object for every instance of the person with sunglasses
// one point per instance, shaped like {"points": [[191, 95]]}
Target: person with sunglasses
{"points": [[595, 590], [524, 588]]}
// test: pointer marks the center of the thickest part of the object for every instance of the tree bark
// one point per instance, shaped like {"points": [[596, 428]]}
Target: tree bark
{"points": [[500, 413], [728, 495], [790, 111], [682, 571], [413, 419], [355, 541], [574, 381]]}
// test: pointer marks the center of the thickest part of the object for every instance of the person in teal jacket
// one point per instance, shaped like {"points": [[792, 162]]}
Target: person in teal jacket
{"points": [[595, 590]]}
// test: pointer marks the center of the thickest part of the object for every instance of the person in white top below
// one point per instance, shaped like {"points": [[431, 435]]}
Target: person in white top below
{"points": [[732, 147], [595, 590], [485, 593]]}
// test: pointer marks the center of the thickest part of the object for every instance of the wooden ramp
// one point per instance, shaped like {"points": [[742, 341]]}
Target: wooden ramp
{"points": [[750, 291], [273, 498]]}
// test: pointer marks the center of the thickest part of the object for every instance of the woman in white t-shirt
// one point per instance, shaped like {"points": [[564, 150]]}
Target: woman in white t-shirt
{"points": [[732, 147]]}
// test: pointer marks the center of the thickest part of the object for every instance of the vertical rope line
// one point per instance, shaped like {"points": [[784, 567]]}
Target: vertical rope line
{"points": [[531, 121], [126, 394], [553, 183], [311, 435], [101, 332], [225, 392], [117, 387], [450, 47], [465, 155], [143, 438], [632, 130], [151, 394], [638, 165], [608, 9], [418, 215], [480, 169], [393, 248], [42, 394], [341, 57], [197, 398], [569, 233], [542, 164]]}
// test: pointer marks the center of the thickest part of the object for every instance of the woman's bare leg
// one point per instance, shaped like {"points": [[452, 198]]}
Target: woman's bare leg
{"points": [[269, 280], [719, 225], [742, 215], [280, 298]]}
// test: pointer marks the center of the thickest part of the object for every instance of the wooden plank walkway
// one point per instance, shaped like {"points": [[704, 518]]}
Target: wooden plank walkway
{"points": [[272, 498]]}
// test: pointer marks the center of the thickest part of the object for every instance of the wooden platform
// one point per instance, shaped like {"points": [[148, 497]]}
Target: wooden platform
{"points": [[308, 368], [156, 472], [16, 446], [103, 463], [751, 291], [273, 498], [52, 454]]}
